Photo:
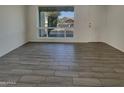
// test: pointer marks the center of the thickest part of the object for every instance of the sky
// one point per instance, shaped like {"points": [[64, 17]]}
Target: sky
{"points": [[66, 14]]}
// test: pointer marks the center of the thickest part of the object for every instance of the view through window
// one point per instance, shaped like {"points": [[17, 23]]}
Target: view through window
{"points": [[56, 21]]}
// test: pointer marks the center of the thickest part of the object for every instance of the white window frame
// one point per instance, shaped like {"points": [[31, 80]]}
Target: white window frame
{"points": [[47, 37]]}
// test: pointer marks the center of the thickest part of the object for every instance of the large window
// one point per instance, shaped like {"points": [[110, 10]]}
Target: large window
{"points": [[56, 21]]}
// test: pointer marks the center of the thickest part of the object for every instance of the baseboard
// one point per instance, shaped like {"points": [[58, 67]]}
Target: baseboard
{"points": [[57, 41]]}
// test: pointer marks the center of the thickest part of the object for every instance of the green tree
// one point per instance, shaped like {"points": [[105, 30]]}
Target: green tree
{"points": [[52, 20]]}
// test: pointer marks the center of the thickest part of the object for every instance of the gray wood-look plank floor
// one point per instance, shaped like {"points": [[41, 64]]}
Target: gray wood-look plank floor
{"points": [[62, 65]]}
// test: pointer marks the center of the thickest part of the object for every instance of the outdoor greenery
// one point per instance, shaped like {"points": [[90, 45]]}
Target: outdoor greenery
{"points": [[52, 20]]}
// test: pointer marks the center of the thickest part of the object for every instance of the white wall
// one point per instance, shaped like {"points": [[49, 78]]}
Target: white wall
{"points": [[113, 33], [12, 28], [83, 15], [107, 26]]}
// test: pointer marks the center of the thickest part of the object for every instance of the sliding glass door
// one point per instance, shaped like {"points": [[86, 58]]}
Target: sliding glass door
{"points": [[56, 22]]}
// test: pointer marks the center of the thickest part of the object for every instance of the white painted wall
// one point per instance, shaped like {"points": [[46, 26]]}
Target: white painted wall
{"points": [[12, 28], [83, 15], [113, 33], [107, 26]]}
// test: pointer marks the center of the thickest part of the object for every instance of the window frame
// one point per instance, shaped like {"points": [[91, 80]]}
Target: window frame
{"points": [[67, 28]]}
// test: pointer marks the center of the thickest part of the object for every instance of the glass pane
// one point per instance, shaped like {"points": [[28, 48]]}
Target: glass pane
{"points": [[42, 19], [56, 32], [42, 33], [69, 33], [55, 23]]}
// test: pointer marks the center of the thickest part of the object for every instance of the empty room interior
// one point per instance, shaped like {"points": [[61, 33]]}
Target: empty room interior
{"points": [[61, 46]]}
